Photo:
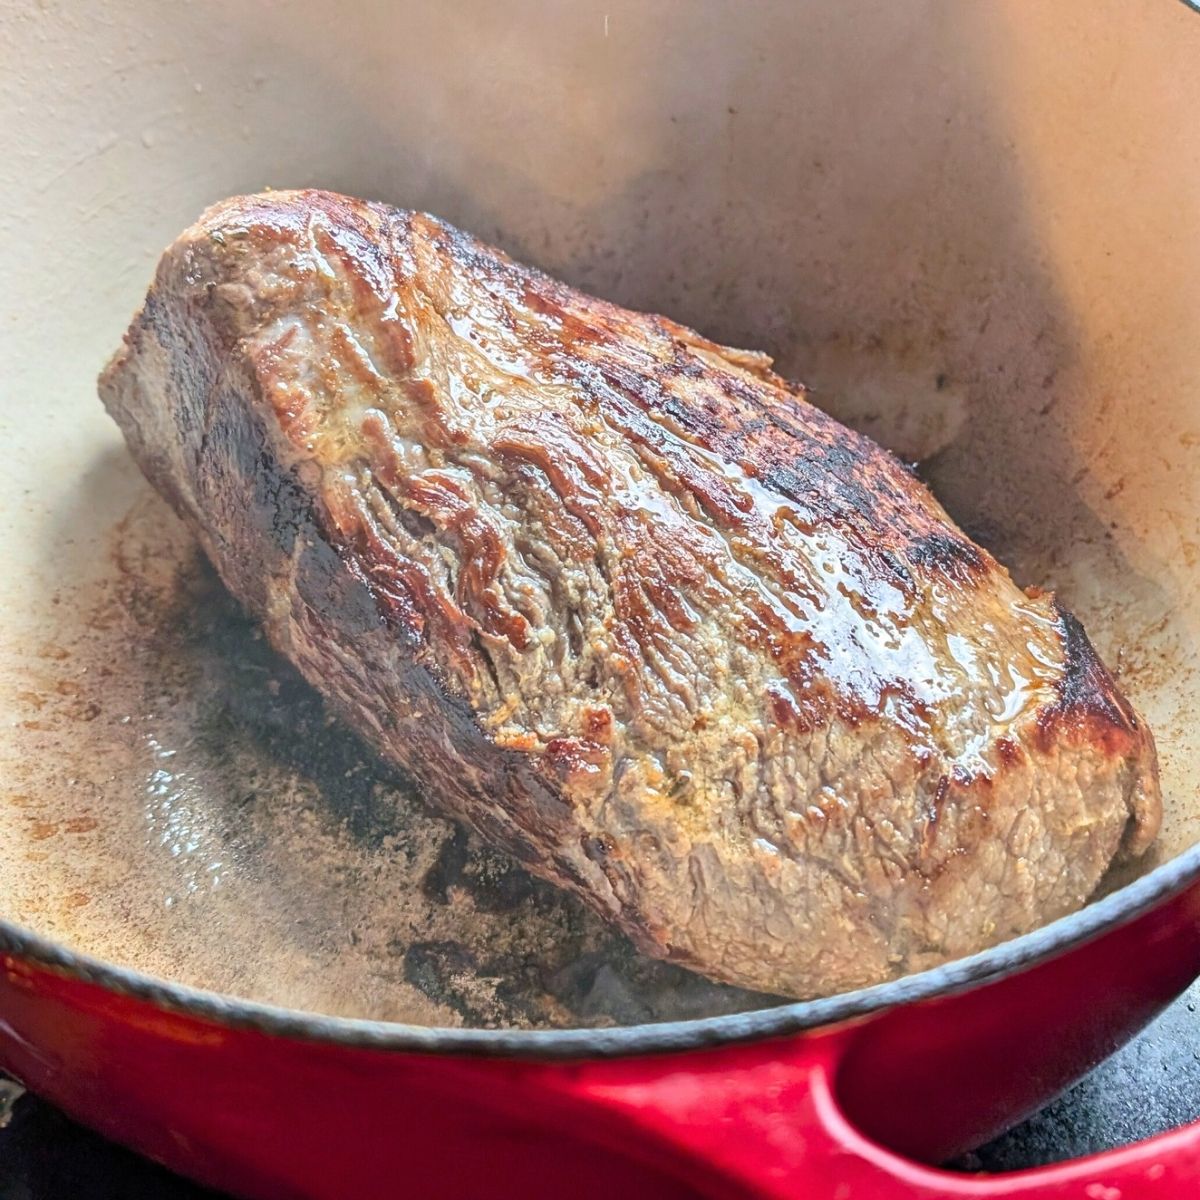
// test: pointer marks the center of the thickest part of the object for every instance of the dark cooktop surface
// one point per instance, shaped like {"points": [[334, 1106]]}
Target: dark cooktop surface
{"points": [[1151, 1085]]}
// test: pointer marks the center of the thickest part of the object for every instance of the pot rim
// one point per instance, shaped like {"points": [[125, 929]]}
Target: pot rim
{"points": [[782, 1020]]}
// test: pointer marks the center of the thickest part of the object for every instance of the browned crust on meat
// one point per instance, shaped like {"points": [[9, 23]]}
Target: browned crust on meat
{"points": [[1089, 701], [623, 600], [1091, 710]]}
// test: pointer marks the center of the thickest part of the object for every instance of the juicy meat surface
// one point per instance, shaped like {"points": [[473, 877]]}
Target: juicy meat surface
{"points": [[622, 600]]}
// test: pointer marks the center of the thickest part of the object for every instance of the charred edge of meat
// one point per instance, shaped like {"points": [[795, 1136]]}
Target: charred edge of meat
{"points": [[944, 554], [1091, 706], [1088, 696]]}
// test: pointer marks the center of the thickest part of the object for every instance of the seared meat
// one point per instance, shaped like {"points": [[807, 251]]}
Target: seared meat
{"points": [[622, 600]]}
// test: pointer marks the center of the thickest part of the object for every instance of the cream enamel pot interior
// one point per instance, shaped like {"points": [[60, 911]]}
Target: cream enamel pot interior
{"points": [[974, 230]]}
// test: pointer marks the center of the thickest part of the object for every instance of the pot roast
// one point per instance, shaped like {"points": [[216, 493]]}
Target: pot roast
{"points": [[623, 601]]}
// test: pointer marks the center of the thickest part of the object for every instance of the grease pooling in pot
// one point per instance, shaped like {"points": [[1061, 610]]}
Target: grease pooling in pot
{"points": [[189, 810]]}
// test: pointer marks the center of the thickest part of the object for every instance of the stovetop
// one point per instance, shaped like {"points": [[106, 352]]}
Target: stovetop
{"points": [[1151, 1085]]}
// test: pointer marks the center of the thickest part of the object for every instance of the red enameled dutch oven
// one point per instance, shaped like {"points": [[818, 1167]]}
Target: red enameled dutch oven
{"points": [[974, 229]]}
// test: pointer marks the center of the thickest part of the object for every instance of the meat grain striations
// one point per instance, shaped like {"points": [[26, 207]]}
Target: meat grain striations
{"points": [[622, 600]]}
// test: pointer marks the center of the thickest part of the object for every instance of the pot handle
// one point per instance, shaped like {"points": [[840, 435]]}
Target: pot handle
{"points": [[1164, 1167], [770, 1128]]}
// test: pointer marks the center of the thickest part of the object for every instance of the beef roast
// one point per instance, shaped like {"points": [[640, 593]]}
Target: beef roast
{"points": [[623, 601]]}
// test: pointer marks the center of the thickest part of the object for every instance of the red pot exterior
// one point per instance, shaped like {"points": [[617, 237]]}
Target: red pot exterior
{"points": [[278, 1117], [934, 1079]]}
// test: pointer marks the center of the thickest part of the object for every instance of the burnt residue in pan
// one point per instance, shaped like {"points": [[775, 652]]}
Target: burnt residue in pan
{"points": [[187, 807]]}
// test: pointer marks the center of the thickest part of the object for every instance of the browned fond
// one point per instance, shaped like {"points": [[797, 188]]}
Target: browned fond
{"points": [[621, 599]]}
